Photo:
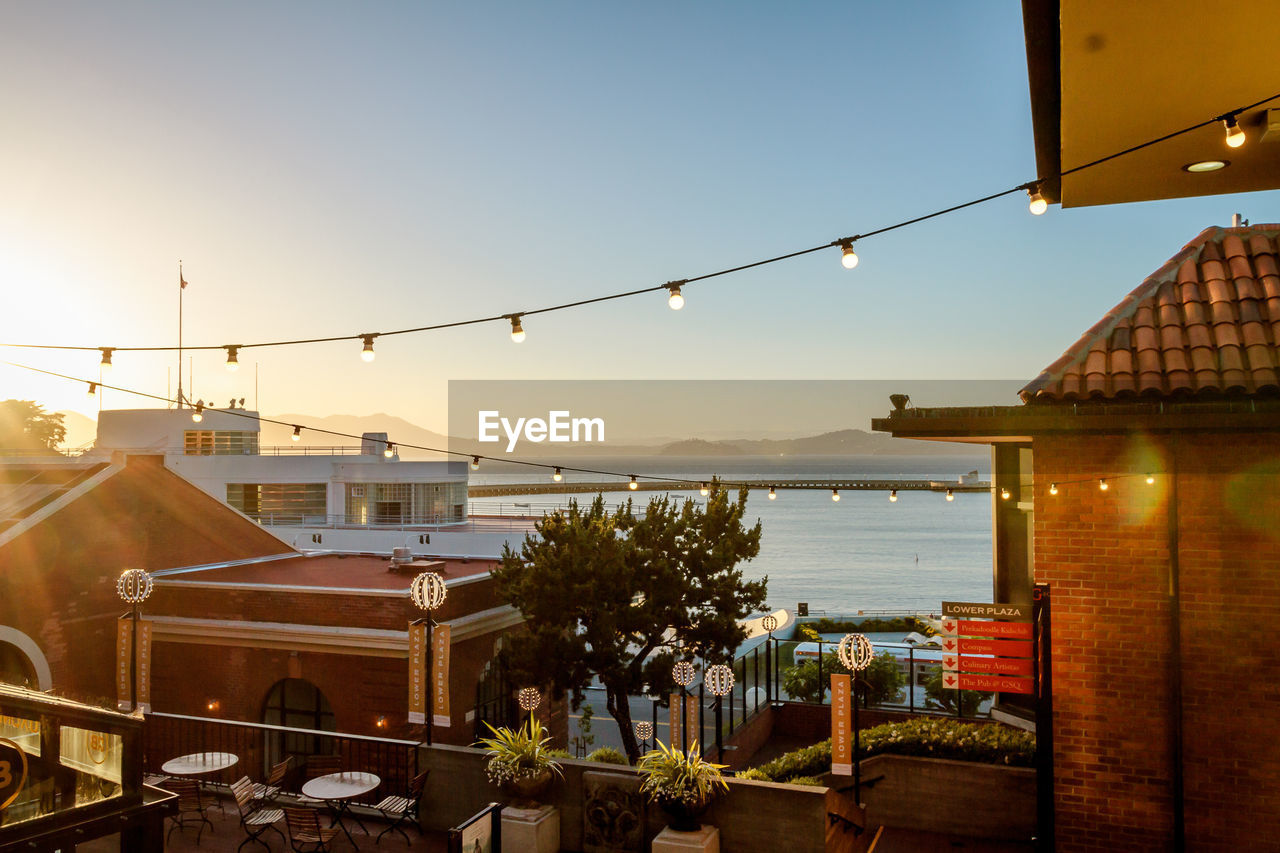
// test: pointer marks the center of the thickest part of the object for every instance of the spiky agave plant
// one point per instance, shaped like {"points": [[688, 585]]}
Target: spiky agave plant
{"points": [[519, 753], [670, 774]]}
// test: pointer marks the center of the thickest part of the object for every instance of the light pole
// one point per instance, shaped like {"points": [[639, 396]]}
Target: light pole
{"points": [[719, 680], [428, 592], [529, 699], [133, 586], [769, 623], [683, 674], [644, 731], [855, 653]]}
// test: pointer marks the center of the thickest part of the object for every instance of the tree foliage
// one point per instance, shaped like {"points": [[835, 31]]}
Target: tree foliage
{"points": [[620, 597], [25, 425], [945, 697], [881, 681]]}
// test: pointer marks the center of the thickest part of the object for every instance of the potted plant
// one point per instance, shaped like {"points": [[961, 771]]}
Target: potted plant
{"points": [[520, 762], [683, 784]]}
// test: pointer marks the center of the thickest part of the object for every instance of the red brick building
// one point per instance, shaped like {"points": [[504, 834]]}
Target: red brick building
{"points": [[1143, 473], [244, 627]]}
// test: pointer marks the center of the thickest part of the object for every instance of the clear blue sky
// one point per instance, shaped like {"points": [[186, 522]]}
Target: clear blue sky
{"points": [[334, 168]]}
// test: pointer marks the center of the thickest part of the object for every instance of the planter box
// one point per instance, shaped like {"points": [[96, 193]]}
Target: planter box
{"points": [[956, 797]]}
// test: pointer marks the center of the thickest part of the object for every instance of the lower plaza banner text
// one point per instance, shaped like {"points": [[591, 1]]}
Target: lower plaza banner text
{"points": [[124, 637]]}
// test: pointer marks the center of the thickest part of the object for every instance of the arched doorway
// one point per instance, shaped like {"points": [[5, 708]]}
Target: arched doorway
{"points": [[495, 701], [22, 662], [296, 703]]}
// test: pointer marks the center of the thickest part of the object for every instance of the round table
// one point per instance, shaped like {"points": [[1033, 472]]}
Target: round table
{"points": [[338, 789], [199, 763]]}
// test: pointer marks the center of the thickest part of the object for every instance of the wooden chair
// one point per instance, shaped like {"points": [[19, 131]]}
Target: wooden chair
{"points": [[319, 765], [191, 807], [268, 791], [304, 828], [254, 819], [399, 809]]}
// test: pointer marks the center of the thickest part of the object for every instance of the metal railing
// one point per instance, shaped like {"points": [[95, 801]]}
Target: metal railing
{"points": [[259, 745]]}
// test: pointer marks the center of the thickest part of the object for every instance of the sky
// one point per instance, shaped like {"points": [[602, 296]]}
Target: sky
{"points": [[326, 169]]}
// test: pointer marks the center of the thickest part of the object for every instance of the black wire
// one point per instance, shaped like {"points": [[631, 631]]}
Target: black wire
{"points": [[777, 258]]}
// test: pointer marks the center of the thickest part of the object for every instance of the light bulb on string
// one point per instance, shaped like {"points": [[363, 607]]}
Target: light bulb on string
{"points": [[703, 490], [556, 475], [197, 415], [105, 364], [633, 485], [233, 360], [475, 463], [1102, 484], [835, 495], [1038, 205], [1053, 488], [1235, 136], [1151, 479], [367, 354], [390, 451], [1004, 494], [951, 496], [517, 331], [893, 496], [675, 299], [848, 257], [93, 389], [297, 433], [773, 495]]}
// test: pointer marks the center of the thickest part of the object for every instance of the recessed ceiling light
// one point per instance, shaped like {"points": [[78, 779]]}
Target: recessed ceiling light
{"points": [[1206, 166]]}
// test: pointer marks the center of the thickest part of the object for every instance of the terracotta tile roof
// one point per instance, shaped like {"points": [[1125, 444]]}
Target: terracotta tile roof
{"points": [[1207, 322]]}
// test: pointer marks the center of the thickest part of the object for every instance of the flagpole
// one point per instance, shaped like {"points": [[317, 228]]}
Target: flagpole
{"points": [[182, 286]]}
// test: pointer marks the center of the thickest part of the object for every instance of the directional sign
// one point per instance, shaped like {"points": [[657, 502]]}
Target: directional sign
{"points": [[993, 666], [1003, 648], [1000, 683], [970, 628], [999, 610]]}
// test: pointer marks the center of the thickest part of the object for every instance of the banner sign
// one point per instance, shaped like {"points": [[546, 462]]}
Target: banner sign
{"points": [[417, 673], [969, 628], [999, 610], [124, 637], [677, 723], [1003, 684], [841, 741], [440, 674], [693, 713], [1003, 648], [991, 666]]}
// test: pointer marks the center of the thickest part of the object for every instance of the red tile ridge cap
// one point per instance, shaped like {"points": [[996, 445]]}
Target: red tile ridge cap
{"points": [[1168, 272]]}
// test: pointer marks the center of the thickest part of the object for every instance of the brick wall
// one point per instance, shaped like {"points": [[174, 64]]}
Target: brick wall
{"points": [[1107, 557]]}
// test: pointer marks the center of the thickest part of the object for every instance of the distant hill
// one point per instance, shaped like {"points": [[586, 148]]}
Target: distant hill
{"points": [[80, 430]]}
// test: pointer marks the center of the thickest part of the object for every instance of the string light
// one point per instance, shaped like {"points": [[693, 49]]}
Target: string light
{"points": [[1004, 494], [297, 433], [703, 490], [893, 496], [475, 463], [951, 496], [773, 496], [391, 450], [1038, 204], [556, 475], [848, 257], [367, 354], [1053, 488], [93, 388], [835, 495], [1235, 136], [633, 485], [233, 362], [1102, 484], [675, 300], [517, 331], [105, 364], [197, 414], [1151, 479]]}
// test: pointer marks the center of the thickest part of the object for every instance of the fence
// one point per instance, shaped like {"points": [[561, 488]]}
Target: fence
{"points": [[258, 746]]}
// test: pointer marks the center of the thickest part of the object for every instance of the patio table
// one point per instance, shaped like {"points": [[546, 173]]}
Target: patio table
{"points": [[199, 763], [338, 790]]}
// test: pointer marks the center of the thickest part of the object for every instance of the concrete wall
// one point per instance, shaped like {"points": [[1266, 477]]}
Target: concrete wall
{"points": [[752, 813], [960, 797]]}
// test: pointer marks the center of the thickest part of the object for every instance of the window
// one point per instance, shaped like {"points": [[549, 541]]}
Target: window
{"points": [[280, 503], [220, 443], [298, 704], [406, 503]]}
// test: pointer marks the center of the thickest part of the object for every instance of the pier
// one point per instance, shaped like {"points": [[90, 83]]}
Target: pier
{"points": [[861, 485]]}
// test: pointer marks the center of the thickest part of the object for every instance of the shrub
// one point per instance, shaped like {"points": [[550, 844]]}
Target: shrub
{"points": [[607, 755], [882, 681], [754, 773], [945, 697], [931, 737], [873, 625], [558, 753]]}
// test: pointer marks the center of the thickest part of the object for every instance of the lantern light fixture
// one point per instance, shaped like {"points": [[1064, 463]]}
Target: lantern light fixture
{"points": [[718, 679], [133, 586], [951, 496], [428, 591], [683, 673]]}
